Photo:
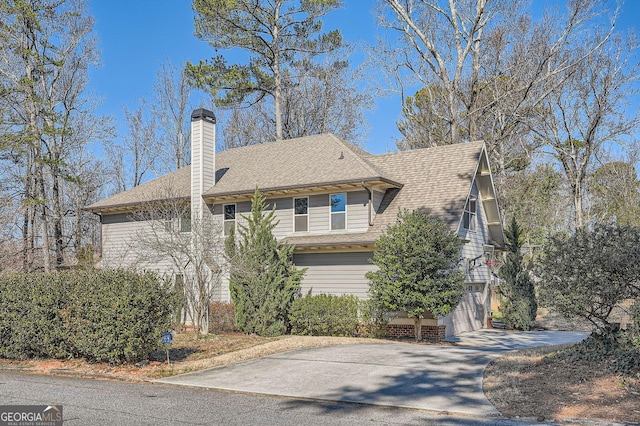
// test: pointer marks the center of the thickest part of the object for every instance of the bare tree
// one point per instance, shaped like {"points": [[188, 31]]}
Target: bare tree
{"points": [[190, 250], [171, 110], [132, 161], [614, 194], [247, 126], [47, 50], [486, 68], [460, 47], [587, 112]]}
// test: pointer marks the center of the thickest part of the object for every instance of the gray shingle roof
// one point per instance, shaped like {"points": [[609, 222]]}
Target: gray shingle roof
{"points": [[436, 180], [292, 163], [172, 185]]}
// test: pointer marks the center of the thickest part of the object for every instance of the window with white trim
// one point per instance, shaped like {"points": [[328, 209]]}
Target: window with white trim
{"points": [[229, 212], [338, 204], [301, 214], [469, 215]]}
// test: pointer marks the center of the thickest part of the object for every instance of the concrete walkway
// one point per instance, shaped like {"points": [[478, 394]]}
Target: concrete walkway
{"points": [[427, 377]]}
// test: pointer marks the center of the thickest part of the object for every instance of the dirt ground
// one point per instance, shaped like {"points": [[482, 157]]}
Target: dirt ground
{"points": [[532, 383], [525, 384], [529, 384]]}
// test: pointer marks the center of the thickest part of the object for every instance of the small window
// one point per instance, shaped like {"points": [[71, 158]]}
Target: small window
{"points": [[185, 221], [338, 211], [469, 215], [301, 214], [229, 211]]}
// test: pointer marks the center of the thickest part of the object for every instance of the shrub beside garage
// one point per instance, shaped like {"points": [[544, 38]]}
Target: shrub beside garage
{"points": [[111, 316], [330, 315]]}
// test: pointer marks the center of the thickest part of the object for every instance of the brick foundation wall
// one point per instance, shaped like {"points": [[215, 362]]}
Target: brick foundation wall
{"points": [[430, 333]]}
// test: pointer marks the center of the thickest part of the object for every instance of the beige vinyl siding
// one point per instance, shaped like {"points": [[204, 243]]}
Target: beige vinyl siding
{"points": [[335, 273], [284, 216], [477, 240], [120, 245], [357, 211], [318, 213]]}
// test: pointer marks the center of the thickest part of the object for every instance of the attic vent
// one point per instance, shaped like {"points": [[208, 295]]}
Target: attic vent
{"points": [[341, 156]]}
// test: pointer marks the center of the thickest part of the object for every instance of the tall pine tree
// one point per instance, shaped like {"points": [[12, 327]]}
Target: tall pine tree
{"points": [[263, 280]]}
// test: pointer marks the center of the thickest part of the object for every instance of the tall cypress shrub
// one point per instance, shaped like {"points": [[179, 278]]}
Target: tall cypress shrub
{"points": [[518, 298], [263, 281]]}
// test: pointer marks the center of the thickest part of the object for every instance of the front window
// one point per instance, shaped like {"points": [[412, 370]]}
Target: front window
{"points": [[469, 216], [229, 211], [301, 214], [185, 221], [338, 211]]}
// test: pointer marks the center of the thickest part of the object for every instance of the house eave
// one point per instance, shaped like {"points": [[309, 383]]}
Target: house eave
{"points": [[377, 183], [130, 207], [334, 248]]}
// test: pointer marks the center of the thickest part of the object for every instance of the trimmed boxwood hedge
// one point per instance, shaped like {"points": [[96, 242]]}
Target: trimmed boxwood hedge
{"points": [[329, 315], [102, 315]]}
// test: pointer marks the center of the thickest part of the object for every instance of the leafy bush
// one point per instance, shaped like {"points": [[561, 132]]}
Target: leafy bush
{"points": [[373, 322], [222, 317], [113, 315], [325, 315], [614, 350], [417, 268], [588, 274]]}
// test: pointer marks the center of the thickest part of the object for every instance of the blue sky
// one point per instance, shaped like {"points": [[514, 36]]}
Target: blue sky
{"points": [[136, 36]]}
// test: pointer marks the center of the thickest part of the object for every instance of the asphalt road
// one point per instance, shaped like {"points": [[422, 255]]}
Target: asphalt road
{"points": [[99, 402]]}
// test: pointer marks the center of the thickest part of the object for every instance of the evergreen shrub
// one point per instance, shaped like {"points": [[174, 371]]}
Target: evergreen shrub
{"points": [[104, 316], [329, 315]]}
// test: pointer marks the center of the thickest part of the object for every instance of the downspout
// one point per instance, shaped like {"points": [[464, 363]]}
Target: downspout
{"points": [[370, 202]]}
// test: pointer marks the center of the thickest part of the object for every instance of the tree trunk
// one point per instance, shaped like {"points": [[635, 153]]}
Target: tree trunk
{"points": [[417, 327], [57, 218], [44, 219], [277, 77]]}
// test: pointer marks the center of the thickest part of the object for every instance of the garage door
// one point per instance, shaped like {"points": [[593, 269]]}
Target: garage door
{"points": [[468, 315], [335, 273]]}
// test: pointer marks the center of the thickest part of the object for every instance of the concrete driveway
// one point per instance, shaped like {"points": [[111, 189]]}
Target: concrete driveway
{"points": [[427, 377]]}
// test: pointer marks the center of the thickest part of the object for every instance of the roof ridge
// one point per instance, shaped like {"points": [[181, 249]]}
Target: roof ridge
{"points": [[270, 142], [438, 147], [371, 168]]}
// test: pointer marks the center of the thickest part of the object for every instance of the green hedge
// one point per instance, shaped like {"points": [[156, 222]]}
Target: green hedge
{"points": [[104, 316], [329, 315]]}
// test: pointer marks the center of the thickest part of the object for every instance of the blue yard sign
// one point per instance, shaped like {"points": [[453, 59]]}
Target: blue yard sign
{"points": [[167, 338]]}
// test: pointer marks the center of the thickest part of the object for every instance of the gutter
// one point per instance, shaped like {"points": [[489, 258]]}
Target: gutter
{"points": [[370, 202]]}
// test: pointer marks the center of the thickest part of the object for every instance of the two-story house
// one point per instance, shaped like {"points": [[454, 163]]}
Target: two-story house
{"points": [[332, 200]]}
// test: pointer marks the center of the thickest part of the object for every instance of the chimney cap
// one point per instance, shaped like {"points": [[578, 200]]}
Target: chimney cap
{"points": [[203, 114]]}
